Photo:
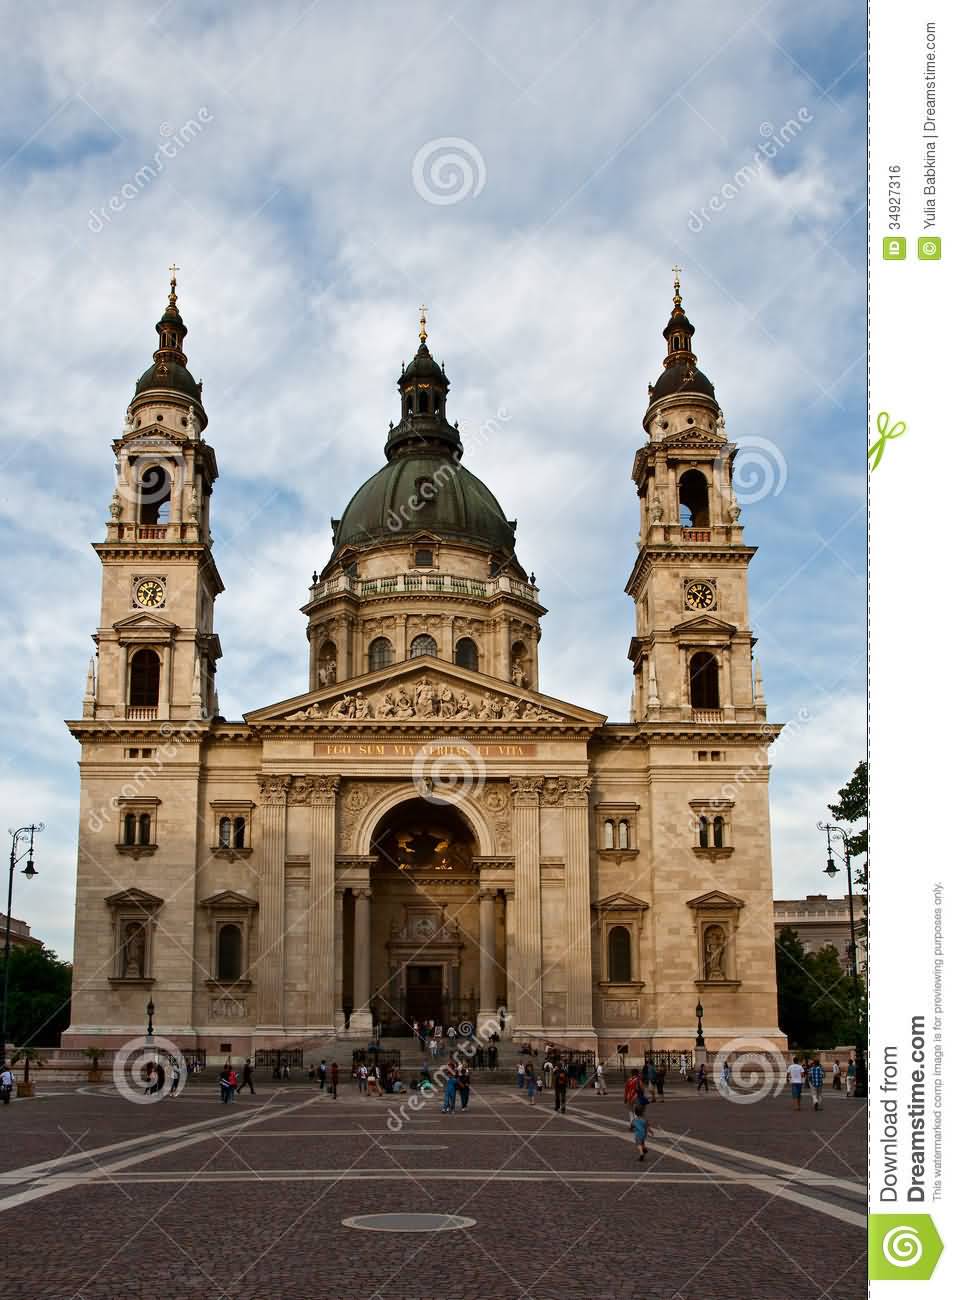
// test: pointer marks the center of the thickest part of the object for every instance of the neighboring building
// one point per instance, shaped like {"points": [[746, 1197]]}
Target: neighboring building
{"points": [[20, 936], [423, 832], [820, 922]]}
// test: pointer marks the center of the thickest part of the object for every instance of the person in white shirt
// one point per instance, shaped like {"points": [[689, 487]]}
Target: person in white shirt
{"points": [[6, 1084], [601, 1087], [796, 1079]]}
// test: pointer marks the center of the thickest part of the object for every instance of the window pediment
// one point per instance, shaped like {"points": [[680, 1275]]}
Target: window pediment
{"points": [[135, 898], [620, 903], [229, 900], [715, 900]]}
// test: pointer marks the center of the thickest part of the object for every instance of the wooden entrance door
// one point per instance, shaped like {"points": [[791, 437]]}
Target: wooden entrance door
{"points": [[423, 993]]}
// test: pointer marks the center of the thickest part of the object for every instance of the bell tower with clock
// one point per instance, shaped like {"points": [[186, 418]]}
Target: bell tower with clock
{"points": [[156, 648], [692, 651]]}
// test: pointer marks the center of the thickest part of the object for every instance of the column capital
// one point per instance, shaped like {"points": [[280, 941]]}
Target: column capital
{"points": [[487, 895], [576, 789], [526, 790], [303, 790], [274, 789], [362, 893]]}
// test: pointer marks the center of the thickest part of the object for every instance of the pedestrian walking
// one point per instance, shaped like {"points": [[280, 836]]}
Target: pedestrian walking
{"points": [[322, 1075], [334, 1080], [225, 1089], [520, 1073], [465, 1085], [651, 1080], [434, 1046], [660, 1082], [176, 1075], [601, 1087], [836, 1076], [816, 1080], [6, 1084], [452, 1035], [726, 1077], [632, 1088], [451, 1087], [531, 1086], [641, 1129], [684, 1066], [247, 1079], [702, 1077], [561, 1086], [796, 1080], [362, 1074], [850, 1078]]}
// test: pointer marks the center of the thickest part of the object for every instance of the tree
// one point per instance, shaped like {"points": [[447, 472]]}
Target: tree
{"points": [[38, 1009], [815, 994], [851, 807], [793, 1009]]}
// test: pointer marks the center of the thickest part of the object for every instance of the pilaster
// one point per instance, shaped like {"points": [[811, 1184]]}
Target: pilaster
{"points": [[269, 967], [526, 837]]}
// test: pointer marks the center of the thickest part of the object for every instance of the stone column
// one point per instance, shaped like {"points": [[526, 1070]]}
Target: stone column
{"points": [[727, 689], [321, 996], [578, 967], [487, 961], [526, 836], [270, 964], [340, 1014], [361, 1021], [510, 994]]}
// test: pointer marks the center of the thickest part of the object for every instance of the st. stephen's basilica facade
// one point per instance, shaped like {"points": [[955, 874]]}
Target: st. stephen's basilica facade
{"points": [[424, 832]]}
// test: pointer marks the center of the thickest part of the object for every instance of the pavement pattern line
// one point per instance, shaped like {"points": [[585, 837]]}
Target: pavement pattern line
{"points": [[766, 1182], [619, 1176]]}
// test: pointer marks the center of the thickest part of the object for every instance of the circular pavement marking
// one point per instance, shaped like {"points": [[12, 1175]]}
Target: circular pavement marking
{"points": [[408, 1222]]}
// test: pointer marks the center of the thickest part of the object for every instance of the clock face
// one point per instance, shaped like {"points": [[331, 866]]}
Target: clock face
{"points": [[699, 595], [150, 593]]}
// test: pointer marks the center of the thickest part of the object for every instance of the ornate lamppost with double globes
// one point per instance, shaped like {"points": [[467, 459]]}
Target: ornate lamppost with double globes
{"points": [[16, 855], [831, 870]]}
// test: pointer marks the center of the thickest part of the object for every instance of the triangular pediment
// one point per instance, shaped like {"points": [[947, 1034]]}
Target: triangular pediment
{"points": [[424, 690], [715, 898], [706, 623], [138, 898], [145, 622], [229, 899], [620, 902]]}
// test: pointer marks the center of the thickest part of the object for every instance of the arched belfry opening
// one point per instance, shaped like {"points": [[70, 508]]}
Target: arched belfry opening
{"points": [[427, 923]]}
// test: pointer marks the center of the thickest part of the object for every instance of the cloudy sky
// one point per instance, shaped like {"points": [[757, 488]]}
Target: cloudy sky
{"points": [[531, 172]]}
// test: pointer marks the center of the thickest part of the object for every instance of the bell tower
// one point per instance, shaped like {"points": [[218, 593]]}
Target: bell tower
{"points": [[156, 648], [692, 649]]}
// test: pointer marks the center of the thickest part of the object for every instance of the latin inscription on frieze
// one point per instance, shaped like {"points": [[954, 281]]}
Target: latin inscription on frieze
{"points": [[430, 749]]}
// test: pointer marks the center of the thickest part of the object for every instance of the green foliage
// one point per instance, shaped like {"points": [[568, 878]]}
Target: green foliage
{"points": [[38, 1010], [815, 996], [851, 807]]}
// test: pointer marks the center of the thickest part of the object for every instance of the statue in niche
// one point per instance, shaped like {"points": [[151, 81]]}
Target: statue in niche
{"points": [[192, 422], [720, 423], [134, 951], [518, 674], [116, 504], [656, 511], [714, 951], [327, 672], [128, 424]]}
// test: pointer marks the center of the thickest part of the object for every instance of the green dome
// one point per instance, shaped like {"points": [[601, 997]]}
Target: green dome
{"points": [[174, 376], [395, 503]]}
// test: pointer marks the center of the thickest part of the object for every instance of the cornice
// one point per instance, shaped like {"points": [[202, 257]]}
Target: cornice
{"points": [[685, 732]]}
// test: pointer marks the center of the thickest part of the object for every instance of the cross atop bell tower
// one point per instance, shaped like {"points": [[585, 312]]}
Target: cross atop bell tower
{"points": [[692, 648]]}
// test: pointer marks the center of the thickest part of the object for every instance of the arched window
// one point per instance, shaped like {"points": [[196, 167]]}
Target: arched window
{"points": [[144, 828], [409, 405], [623, 834], [703, 672], [703, 832], [230, 953], [693, 499], [718, 832], [239, 832], [437, 407], [225, 832], [619, 955], [608, 841], [466, 653], [380, 653], [144, 678], [423, 645], [129, 828], [327, 663], [154, 495], [423, 402]]}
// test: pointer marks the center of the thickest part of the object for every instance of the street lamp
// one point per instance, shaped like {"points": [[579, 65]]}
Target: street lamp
{"points": [[699, 1012], [149, 1020], [29, 871], [831, 870]]}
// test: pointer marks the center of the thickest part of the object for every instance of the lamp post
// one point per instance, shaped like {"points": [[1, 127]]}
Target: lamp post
{"points": [[699, 1012], [29, 871], [831, 870], [150, 1008]]}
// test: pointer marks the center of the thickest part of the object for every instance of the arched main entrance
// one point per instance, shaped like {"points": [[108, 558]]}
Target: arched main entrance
{"points": [[425, 924]]}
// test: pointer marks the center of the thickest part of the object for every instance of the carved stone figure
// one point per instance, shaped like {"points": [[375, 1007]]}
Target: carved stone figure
{"points": [[656, 512], [192, 512], [518, 674], [192, 422], [116, 504], [465, 707], [344, 708], [446, 703], [128, 424], [404, 707], [327, 672], [134, 951], [510, 708], [424, 699], [714, 950], [490, 707], [386, 706], [363, 709], [719, 426]]}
